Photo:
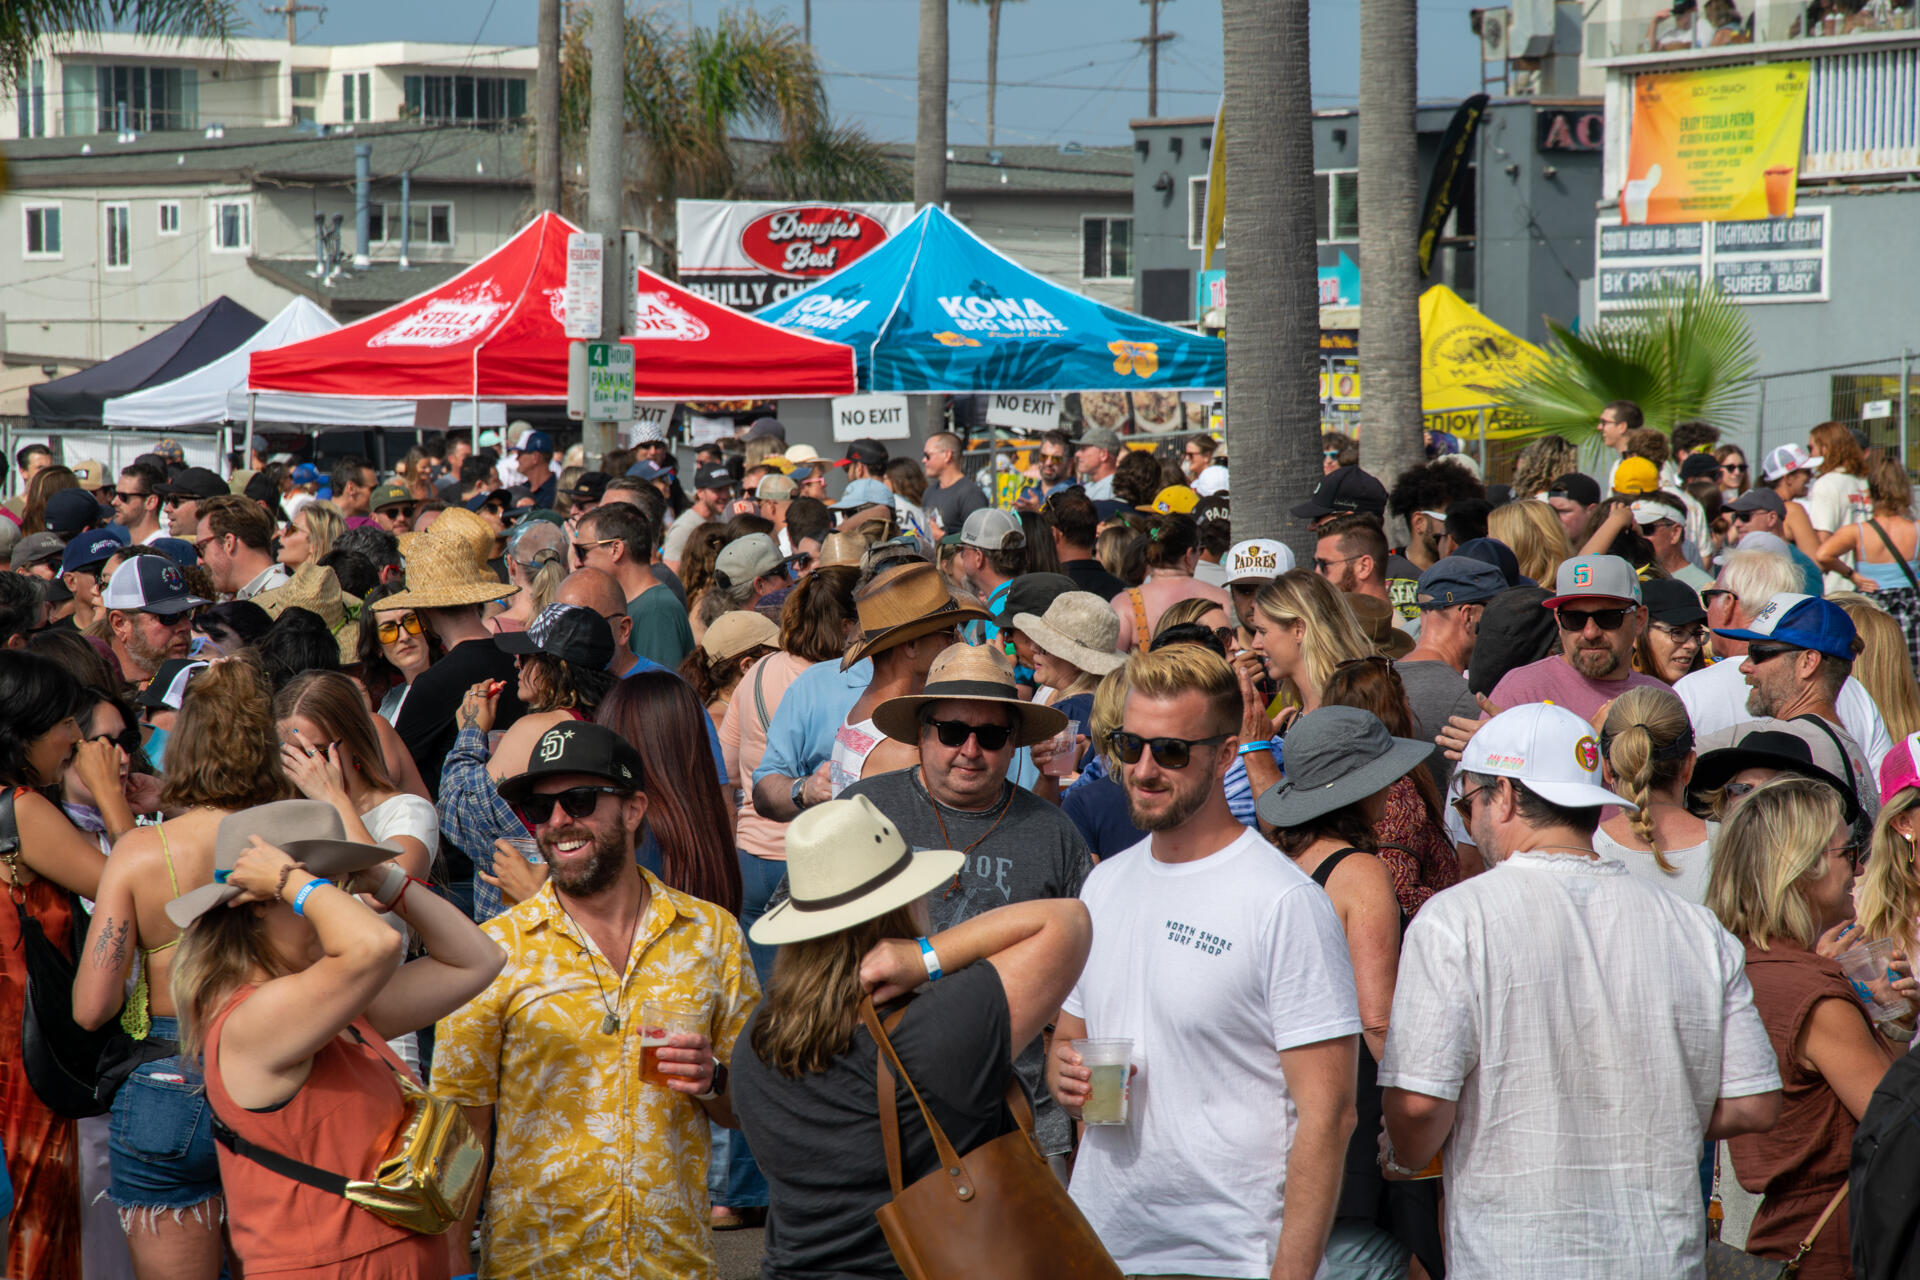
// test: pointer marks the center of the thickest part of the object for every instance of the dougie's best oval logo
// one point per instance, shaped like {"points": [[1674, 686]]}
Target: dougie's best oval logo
{"points": [[808, 241]]}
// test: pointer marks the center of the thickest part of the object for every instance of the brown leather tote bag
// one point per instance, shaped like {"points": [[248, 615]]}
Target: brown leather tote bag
{"points": [[996, 1211]]}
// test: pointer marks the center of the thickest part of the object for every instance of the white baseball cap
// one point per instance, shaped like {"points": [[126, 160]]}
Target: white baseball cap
{"points": [[1652, 509], [1211, 480], [1786, 460], [1549, 748], [1257, 560]]}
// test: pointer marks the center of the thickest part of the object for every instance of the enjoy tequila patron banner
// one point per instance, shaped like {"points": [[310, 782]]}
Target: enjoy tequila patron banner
{"points": [[1721, 144]]}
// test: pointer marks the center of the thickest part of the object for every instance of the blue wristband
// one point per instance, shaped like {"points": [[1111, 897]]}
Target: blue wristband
{"points": [[1248, 748], [300, 898], [934, 971]]}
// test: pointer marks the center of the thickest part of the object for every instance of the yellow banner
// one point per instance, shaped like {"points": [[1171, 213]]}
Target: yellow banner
{"points": [[1462, 353], [1215, 217], [1720, 144]]}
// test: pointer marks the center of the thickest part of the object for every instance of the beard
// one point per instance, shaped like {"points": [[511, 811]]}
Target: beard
{"points": [[1759, 702], [1594, 664], [147, 655], [1164, 807], [1349, 580], [610, 848]]}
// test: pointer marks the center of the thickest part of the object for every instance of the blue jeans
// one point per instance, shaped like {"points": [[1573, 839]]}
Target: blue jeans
{"points": [[161, 1141], [734, 1179], [759, 878]]}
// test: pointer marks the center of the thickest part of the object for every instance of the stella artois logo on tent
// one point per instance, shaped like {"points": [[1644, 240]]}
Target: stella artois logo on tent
{"points": [[557, 304], [447, 321], [657, 315]]}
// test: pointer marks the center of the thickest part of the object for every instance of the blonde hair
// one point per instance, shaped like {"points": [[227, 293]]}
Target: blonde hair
{"points": [[1889, 896], [225, 749], [1187, 668], [540, 580], [1122, 552], [324, 525], [1332, 635], [218, 954], [1883, 665], [1772, 842], [1642, 722], [1189, 610], [335, 704], [812, 1002], [1534, 532], [1109, 709]]}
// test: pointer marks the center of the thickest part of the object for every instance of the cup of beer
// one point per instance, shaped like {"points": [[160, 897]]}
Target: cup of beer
{"points": [[1111, 1063], [659, 1022]]}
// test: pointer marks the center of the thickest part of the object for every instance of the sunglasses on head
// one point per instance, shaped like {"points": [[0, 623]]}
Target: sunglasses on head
{"points": [[954, 733], [389, 631], [1577, 619], [579, 802], [1168, 753]]}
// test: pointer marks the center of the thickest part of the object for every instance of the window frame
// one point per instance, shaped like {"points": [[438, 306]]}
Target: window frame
{"points": [[108, 210], [214, 208], [1106, 246], [27, 211], [1333, 177], [1197, 217], [160, 218]]}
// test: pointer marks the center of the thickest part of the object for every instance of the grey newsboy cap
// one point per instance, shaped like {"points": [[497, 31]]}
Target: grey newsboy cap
{"points": [[1458, 580], [1335, 757]]}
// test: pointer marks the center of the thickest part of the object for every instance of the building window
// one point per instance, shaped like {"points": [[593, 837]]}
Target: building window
{"points": [[432, 224], [169, 217], [356, 97], [232, 226], [1336, 205], [42, 231], [118, 223], [33, 114], [1197, 216], [466, 99], [1106, 248], [144, 99]]}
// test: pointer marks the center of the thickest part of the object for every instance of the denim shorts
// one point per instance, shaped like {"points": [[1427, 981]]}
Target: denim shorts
{"points": [[160, 1144]]}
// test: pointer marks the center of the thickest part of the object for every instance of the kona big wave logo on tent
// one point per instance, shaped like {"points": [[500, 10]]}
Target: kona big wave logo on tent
{"points": [[825, 313], [1000, 317], [445, 322]]}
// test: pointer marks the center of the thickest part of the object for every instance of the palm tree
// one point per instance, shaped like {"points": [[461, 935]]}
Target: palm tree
{"points": [[993, 58], [1273, 365], [722, 112], [1686, 353], [25, 23], [930, 133], [1390, 440]]}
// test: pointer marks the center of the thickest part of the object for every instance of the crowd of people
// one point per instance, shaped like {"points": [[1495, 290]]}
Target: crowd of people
{"points": [[506, 866]]}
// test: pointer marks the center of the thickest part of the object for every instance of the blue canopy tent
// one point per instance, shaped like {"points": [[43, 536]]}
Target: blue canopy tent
{"points": [[937, 310]]}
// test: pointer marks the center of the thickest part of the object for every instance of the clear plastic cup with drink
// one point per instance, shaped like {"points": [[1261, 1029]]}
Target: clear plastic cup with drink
{"points": [[1064, 761], [659, 1023], [1110, 1063], [1870, 973]]}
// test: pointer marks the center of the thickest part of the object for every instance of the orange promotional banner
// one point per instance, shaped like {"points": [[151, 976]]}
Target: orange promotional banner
{"points": [[1721, 144]]}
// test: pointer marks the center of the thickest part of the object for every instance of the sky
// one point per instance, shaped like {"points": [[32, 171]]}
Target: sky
{"points": [[1070, 70]]}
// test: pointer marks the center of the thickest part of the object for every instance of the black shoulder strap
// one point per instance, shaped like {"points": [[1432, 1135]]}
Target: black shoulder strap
{"points": [[1820, 723], [286, 1167], [9, 824], [1905, 566], [1324, 872]]}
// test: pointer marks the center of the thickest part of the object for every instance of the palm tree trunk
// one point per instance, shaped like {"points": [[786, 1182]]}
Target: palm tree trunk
{"points": [[1390, 439], [1273, 331], [546, 184], [930, 140], [993, 61]]}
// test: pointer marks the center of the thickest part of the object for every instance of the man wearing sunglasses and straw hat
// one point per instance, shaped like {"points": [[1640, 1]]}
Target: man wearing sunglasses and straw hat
{"points": [[966, 724]]}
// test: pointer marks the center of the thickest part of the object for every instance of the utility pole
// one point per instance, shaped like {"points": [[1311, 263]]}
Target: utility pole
{"points": [[930, 142], [1153, 40], [293, 9], [806, 22], [605, 135], [546, 181]]}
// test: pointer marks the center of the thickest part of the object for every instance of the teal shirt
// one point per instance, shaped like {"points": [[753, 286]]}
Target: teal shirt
{"points": [[660, 628]]}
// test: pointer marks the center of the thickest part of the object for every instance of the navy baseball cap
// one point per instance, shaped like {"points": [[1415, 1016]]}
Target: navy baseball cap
{"points": [[1496, 553], [534, 442], [71, 510], [150, 584], [649, 471], [1458, 580], [1343, 489], [90, 550], [1805, 622], [178, 550]]}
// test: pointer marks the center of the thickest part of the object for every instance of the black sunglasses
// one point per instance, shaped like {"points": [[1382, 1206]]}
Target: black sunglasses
{"points": [[537, 808], [1577, 619], [1168, 753], [954, 733], [1768, 652]]}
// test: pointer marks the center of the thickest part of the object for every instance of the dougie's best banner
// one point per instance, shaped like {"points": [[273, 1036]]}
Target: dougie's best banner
{"points": [[1720, 144], [747, 254]]}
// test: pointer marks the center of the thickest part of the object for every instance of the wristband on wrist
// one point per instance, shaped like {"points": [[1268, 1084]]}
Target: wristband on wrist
{"points": [[300, 898], [280, 889], [1388, 1163], [932, 961], [1248, 748]]}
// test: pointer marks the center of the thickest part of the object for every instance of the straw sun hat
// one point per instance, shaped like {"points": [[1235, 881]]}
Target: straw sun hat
{"points": [[846, 864], [447, 567], [904, 604], [316, 587], [969, 673], [1078, 627]]}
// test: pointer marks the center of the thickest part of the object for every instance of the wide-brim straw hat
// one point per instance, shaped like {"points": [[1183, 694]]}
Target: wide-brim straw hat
{"points": [[1078, 627], [1375, 617], [316, 587], [969, 673], [1337, 756], [904, 604], [309, 831], [448, 570], [846, 865], [456, 523]]}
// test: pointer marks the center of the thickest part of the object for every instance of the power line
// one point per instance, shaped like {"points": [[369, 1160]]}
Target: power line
{"points": [[1023, 84]]}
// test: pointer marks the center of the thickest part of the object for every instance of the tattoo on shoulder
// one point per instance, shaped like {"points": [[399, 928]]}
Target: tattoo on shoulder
{"points": [[110, 952]]}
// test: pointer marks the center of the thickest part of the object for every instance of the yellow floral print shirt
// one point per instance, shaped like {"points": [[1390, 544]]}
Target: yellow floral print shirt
{"points": [[596, 1173]]}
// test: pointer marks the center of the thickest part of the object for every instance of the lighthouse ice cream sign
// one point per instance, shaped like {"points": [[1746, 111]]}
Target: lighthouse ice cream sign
{"points": [[747, 254]]}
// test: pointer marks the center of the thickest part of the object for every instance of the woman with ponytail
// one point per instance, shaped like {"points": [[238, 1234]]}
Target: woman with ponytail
{"points": [[1647, 755]]}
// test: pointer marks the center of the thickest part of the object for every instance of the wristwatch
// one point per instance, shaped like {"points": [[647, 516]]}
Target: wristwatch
{"points": [[798, 793], [716, 1086]]}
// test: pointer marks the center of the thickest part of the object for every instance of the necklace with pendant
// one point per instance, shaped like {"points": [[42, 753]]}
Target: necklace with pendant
{"points": [[610, 1024]]}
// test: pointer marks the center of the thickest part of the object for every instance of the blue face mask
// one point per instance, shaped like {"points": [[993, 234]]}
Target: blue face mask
{"points": [[157, 747]]}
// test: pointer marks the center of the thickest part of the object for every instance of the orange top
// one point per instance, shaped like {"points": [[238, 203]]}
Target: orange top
{"points": [[340, 1120]]}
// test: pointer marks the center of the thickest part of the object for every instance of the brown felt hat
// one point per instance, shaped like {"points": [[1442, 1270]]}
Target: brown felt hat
{"points": [[904, 604]]}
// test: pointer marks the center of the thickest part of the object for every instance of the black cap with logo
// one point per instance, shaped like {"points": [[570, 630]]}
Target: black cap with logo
{"points": [[581, 747]]}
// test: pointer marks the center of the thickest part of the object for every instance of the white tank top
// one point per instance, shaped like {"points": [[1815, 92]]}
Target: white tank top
{"points": [[851, 747]]}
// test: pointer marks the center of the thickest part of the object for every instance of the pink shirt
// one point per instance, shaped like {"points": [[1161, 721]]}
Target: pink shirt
{"points": [[1553, 679], [743, 740]]}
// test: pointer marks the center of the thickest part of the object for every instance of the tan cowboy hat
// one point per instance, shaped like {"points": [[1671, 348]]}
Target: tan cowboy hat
{"points": [[846, 864], [317, 588], [1375, 617], [309, 831], [843, 549], [970, 673], [1078, 627], [904, 604], [457, 523], [445, 571]]}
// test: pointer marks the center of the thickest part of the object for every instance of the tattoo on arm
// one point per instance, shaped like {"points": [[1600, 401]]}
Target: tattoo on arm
{"points": [[110, 952], [469, 716]]}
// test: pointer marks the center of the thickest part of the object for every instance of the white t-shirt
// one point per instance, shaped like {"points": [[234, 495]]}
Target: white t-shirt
{"points": [[405, 815], [1716, 698], [1834, 501], [1210, 968], [1690, 865], [852, 744], [1586, 1022]]}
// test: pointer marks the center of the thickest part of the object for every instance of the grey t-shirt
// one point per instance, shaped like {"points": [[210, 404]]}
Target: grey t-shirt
{"points": [[1436, 691], [952, 504], [1033, 852]]}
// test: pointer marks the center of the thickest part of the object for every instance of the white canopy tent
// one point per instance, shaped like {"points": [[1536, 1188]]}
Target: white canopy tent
{"points": [[218, 393]]}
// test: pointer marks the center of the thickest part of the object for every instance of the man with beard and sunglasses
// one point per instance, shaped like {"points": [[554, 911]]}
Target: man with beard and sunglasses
{"points": [[1596, 604], [595, 1163], [967, 721], [1227, 967]]}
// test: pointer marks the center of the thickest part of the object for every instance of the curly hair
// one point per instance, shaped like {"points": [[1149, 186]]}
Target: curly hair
{"points": [[224, 750]]}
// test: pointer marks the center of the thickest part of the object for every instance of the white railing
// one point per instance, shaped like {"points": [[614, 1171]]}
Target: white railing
{"points": [[1863, 114]]}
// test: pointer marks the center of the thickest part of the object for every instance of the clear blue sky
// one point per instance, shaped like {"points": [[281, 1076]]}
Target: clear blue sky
{"points": [[1081, 49]]}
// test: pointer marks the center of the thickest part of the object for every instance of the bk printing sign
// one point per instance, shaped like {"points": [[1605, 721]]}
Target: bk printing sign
{"points": [[747, 254]]}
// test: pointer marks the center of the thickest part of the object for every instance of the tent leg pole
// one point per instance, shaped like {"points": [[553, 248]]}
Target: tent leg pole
{"points": [[1483, 446], [253, 398]]}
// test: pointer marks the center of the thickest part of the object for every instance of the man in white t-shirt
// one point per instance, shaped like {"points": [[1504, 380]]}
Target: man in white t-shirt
{"points": [[1570, 1032], [1226, 967]]}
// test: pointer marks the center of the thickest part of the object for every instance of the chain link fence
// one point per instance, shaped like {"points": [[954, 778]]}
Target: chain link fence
{"points": [[1875, 396]]}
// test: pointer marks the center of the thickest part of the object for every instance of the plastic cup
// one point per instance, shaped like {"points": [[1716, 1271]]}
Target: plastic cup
{"points": [[529, 847], [1867, 969], [658, 1023], [1111, 1062], [1063, 761]]}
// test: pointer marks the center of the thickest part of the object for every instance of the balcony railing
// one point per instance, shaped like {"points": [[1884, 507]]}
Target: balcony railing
{"points": [[1863, 114]]}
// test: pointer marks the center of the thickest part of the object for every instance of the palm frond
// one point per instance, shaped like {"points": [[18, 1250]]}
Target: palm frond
{"points": [[25, 23], [838, 163]]}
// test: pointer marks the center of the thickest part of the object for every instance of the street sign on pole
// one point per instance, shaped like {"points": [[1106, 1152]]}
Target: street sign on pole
{"points": [[585, 284], [609, 382]]}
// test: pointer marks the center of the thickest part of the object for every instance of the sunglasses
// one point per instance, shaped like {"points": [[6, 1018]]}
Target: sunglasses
{"points": [[1742, 517], [399, 510], [1648, 530], [954, 733], [579, 802], [1464, 805], [1682, 635], [1711, 594], [1577, 619], [127, 497], [1168, 753], [389, 631], [1733, 466], [1760, 653], [582, 549]]}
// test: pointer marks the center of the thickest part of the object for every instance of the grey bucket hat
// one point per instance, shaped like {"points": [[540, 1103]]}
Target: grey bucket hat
{"points": [[1336, 756]]}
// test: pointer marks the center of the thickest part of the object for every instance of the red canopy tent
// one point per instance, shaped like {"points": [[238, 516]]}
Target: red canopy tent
{"points": [[497, 331]]}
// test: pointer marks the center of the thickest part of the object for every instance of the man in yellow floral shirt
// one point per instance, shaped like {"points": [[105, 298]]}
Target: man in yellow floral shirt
{"points": [[597, 1172]]}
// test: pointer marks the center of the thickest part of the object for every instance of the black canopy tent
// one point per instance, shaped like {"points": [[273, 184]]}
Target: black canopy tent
{"points": [[209, 333]]}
